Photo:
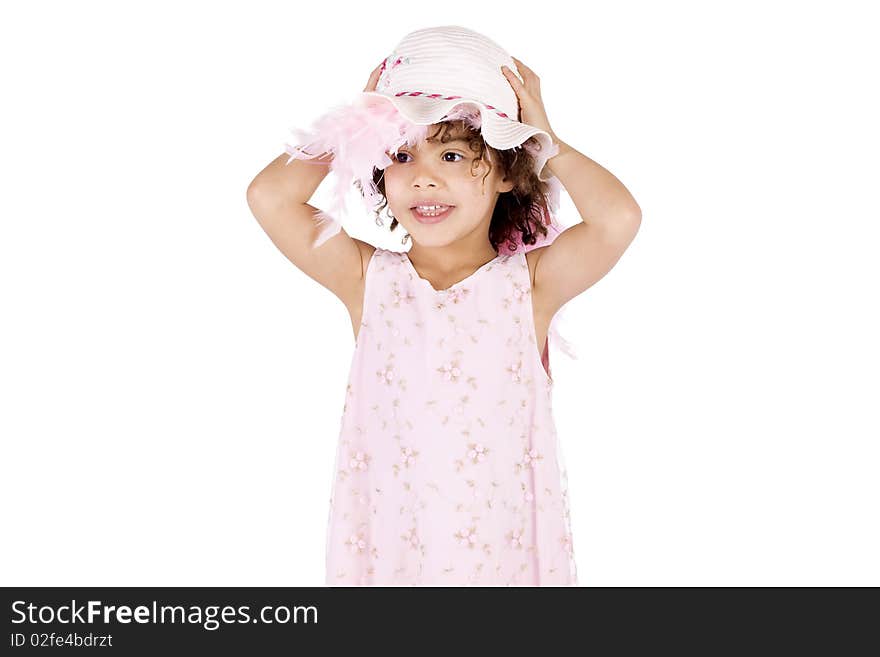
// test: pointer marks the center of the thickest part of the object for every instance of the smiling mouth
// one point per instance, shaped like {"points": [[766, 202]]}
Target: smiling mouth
{"points": [[431, 217]]}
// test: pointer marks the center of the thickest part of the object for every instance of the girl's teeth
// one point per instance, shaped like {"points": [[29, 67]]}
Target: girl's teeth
{"points": [[431, 213]]}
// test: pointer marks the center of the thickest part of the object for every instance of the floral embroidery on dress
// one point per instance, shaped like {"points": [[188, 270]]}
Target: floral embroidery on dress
{"points": [[412, 540], [356, 543], [515, 538], [529, 459], [516, 371], [358, 461], [457, 295], [408, 456], [386, 375], [399, 296], [467, 536], [477, 453], [450, 370], [449, 470]]}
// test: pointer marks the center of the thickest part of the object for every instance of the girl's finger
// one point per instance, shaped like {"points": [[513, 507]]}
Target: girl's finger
{"points": [[526, 71], [522, 92], [520, 65], [523, 69], [374, 79], [511, 76]]}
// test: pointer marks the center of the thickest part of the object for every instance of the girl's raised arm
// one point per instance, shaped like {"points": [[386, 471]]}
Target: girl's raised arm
{"points": [[278, 198]]}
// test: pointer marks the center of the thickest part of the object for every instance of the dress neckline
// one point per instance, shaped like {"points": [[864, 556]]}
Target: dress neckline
{"points": [[430, 286]]}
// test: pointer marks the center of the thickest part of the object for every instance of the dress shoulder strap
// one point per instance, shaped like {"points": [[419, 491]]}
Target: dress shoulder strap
{"points": [[381, 278]]}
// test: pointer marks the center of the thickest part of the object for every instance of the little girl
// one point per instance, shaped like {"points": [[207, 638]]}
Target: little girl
{"points": [[448, 471]]}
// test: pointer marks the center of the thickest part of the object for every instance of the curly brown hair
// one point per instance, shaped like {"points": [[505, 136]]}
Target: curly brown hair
{"points": [[520, 210]]}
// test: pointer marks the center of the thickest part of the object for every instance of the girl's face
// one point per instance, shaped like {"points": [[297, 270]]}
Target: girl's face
{"points": [[442, 173]]}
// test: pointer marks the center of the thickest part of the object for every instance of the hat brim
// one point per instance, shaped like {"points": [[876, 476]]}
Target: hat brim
{"points": [[499, 132]]}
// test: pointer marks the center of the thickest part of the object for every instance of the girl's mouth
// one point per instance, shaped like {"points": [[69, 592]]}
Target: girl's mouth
{"points": [[431, 217]]}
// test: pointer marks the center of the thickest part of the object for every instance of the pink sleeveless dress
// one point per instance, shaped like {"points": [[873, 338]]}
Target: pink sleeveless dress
{"points": [[448, 471]]}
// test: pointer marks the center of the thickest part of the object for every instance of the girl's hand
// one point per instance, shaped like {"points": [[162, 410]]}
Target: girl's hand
{"points": [[528, 92], [374, 77]]}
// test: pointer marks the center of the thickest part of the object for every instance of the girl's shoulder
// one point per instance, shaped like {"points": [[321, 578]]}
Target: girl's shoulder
{"points": [[382, 258], [366, 250], [370, 252]]}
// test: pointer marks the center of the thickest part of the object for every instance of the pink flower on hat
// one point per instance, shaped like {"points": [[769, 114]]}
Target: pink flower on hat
{"points": [[386, 71]]}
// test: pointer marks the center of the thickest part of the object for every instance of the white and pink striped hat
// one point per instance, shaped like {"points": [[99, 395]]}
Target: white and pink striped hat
{"points": [[433, 70], [433, 74]]}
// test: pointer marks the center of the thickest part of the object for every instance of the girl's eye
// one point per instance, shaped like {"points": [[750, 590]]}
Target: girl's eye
{"points": [[399, 153]]}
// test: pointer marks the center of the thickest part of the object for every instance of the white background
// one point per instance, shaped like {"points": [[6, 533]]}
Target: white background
{"points": [[172, 386]]}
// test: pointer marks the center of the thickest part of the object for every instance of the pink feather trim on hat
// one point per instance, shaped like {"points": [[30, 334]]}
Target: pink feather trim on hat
{"points": [[360, 136]]}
